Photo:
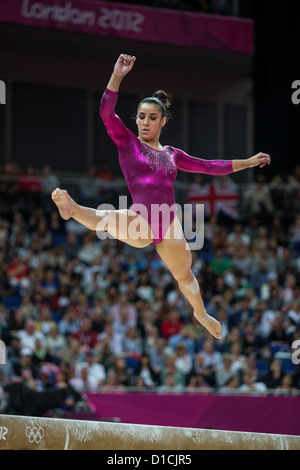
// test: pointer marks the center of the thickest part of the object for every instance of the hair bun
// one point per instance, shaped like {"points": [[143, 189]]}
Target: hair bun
{"points": [[164, 97]]}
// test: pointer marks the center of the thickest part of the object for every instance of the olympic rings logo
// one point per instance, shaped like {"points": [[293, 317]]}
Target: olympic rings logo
{"points": [[34, 434]]}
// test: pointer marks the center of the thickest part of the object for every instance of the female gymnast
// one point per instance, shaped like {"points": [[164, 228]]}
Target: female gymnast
{"points": [[150, 170]]}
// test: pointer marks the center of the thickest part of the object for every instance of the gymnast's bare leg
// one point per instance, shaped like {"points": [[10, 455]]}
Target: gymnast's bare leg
{"points": [[175, 252], [116, 222]]}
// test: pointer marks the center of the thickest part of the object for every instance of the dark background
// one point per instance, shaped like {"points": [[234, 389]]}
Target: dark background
{"points": [[275, 66]]}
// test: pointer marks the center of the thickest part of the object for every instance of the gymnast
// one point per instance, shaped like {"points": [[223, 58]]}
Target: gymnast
{"points": [[150, 170]]}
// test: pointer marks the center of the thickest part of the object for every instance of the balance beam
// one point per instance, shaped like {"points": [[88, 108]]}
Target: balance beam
{"points": [[22, 432]]}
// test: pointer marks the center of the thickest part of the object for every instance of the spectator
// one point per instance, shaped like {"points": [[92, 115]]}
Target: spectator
{"points": [[252, 342], [123, 303], [122, 374], [69, 324], [224, 373], [89, 187], [144, 370], [220, 263], [250, 385], [286, 386], [132, 343], [172, 324], [29, 335], [273, 378], [170, 367], [95, 371], [49, 181], [56, 344], [26, 368], [183, 337], [169, 385], [85, 335], [183, 360], [208, 361]]}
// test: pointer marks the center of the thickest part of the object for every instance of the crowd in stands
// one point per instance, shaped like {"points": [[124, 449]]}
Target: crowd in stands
{"points": [[78, 313]]}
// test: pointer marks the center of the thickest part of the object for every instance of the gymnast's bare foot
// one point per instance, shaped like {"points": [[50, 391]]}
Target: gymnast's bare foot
{"points": [[64, 203], [213, 326]]}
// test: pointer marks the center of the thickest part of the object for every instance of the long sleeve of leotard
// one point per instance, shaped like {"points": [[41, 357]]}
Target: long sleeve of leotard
{"points": [[116, 129], [190, 164]]}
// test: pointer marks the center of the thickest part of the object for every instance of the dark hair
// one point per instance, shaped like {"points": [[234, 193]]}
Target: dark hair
{"points": [[161, 99]]}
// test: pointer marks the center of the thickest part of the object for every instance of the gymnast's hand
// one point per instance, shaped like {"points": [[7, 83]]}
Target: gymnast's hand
{"points": [[261, 160], [124, 64]]}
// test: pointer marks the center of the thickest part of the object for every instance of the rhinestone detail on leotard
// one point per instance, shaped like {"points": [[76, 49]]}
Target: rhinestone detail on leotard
{"points": [[158, 160]]}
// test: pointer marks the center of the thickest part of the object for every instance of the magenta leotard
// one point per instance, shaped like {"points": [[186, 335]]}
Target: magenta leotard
{"points": [[149, 173]]}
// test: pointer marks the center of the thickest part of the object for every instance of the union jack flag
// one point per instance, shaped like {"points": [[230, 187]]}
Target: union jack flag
{"points": [[217, 198]]}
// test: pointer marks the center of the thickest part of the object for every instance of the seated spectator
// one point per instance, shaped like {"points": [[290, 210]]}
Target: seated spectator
{"points": [[232, 384], [69, 324], [171, 367], [273, 378], [220, 263], [237, 238], [278, 331], [115, 311], [208, 361], [110, 338], [225, 372], [29, 335], [144, 288], [49, 181], [252, 342], [98, 318], [158, 352], [95, 371], [112, 384], [172, 324], [132, 343], [29, 181], [26, 368], [249, 384], [85, 335], [145, 371], [287, 385], [45, 321], [197, 382], [17, 270], [122, 374], [183, 337], [239, 361], [169, 385], [183, 360], [40, 354], [89, 187], [257, 198], [56, 344]]}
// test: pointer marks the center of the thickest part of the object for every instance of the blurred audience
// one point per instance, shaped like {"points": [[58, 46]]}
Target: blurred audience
{"points": [[81, 313]]}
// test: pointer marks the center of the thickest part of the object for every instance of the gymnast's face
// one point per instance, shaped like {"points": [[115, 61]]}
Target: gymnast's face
{"points": [[150, 122]]}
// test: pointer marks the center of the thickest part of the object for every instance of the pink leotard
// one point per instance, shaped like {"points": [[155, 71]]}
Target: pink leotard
{"points": [[149, 173]]}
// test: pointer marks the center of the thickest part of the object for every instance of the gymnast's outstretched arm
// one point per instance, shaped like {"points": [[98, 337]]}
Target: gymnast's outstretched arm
{"points": [[114, 125], [190, 164]]}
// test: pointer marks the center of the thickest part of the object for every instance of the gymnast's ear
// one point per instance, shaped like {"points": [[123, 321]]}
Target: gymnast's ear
{"points": [[163, 122]]}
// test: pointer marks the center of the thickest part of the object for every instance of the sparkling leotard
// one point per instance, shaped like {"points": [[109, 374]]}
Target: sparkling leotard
{"points": [[149, 173]]}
